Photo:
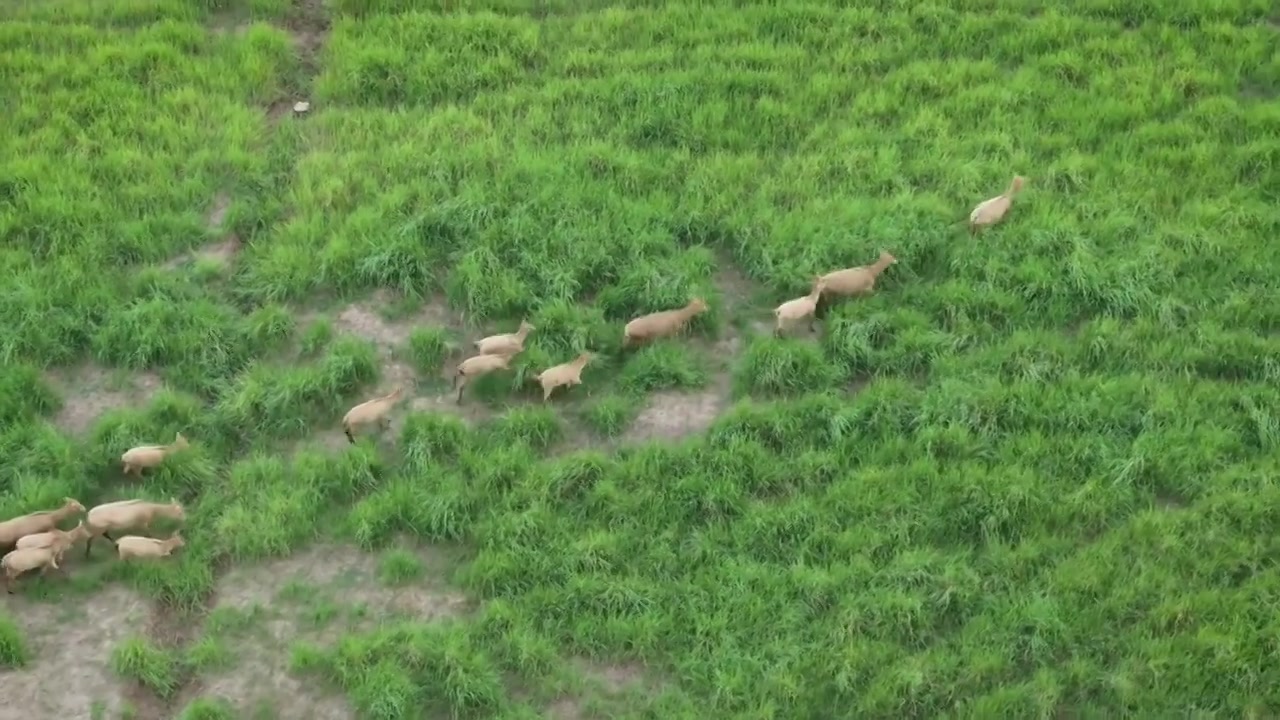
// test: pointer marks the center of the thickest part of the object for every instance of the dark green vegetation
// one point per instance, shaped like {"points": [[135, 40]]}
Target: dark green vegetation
{"points": [[1034, 476]]}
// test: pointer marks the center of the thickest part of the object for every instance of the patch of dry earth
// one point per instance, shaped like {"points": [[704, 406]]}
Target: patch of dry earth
{"points": [[674, 415], [610, 679], [345, 574], [88, 391], [221, 252], [71, 674]]}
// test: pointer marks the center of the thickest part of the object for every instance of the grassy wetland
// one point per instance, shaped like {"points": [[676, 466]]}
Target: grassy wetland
{"points": [[1036, 474]]}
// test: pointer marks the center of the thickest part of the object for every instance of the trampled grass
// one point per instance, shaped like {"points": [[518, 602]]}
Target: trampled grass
{"points": [[1034, 475]]}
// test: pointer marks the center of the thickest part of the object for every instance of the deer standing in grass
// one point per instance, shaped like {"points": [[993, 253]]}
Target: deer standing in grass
{"points": [[475, 366], [989, 212], [792, 311], [11, 531], [507, 344], [859, 280], [18, 562], [564, 374], [661, 324], [370, 412], [128, 515], [145, 457], [137, 546], [62, 539]]}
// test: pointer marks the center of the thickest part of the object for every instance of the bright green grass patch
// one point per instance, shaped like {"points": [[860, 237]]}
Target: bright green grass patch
{"points": [[399, 566], [208, 709], [428, 348], [153, 667], [610, 415], [113, 161], [13, 647], [1052, 494]]}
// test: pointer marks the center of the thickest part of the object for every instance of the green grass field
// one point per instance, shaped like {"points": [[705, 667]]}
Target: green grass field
{"points": [[1036, 475]]}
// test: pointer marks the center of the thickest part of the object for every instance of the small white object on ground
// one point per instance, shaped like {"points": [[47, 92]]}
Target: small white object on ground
{"points": [[301, 106]]}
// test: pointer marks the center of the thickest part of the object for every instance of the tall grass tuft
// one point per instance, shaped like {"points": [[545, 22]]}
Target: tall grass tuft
{"points": [[156, 669], [1033, 474], [13, 647]]}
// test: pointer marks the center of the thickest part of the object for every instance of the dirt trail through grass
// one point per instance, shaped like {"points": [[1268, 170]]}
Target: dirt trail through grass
{"points": [[314, 596], [1053, 440], [74, 641], [88, 391], [169, 630]]}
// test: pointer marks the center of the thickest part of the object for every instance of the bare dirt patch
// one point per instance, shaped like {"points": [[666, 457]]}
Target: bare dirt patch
{"points": [[674, 415], [229, 24], [289, 597], [858, 384], [473, 413], [222, 252], [71, 675], [364, 320], [733, 284], [609, 680], [218, 212], [578, 438], [89, 390], [613, 677], [308, 25]]}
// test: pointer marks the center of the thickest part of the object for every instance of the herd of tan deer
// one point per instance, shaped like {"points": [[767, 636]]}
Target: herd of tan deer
{"points": [[37, 542]]}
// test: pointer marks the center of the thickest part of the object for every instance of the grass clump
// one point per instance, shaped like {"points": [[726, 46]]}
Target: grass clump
{"points": [[13, 648], [316, 337], [774, 366], [428, 347], [662, 366], [1048, 490], [208, 709], [609, 416], [399, 566], [274, 401], [449, 674], [156, 669]]}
